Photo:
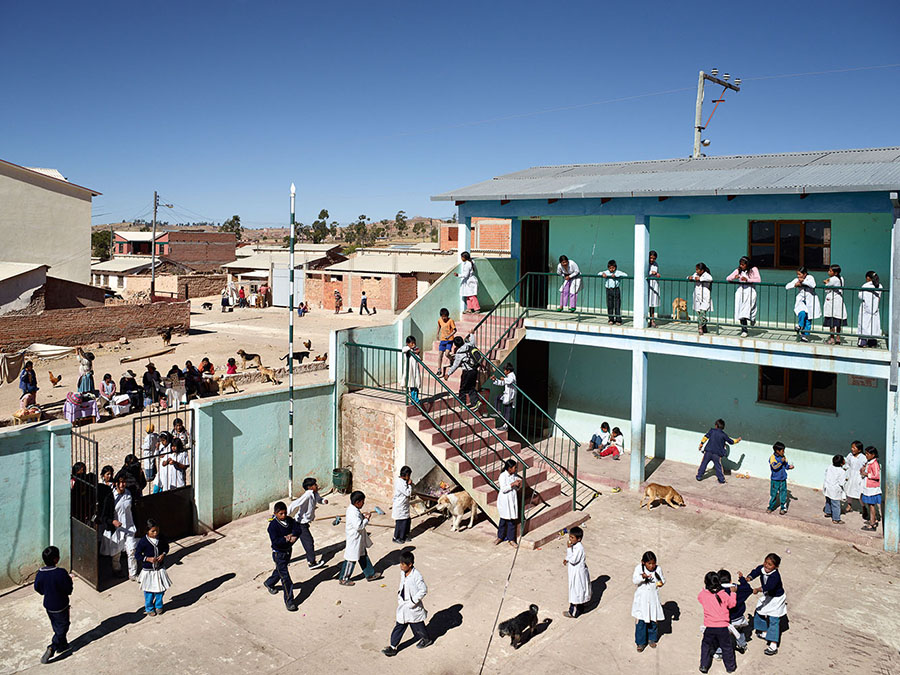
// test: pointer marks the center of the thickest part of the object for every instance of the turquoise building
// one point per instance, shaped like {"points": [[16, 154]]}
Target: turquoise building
{"points": [[656, 375]]}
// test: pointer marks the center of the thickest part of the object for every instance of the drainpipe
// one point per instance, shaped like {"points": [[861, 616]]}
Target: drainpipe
{"points": [[891, 473]]}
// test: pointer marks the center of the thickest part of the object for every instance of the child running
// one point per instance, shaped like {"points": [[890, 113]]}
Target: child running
{"points": [[772, 606], [303, 509], [410, 611], [150, 553], [833, 489], [871, 492], [579, 576], [856, 460], [716, 603], [779, 466], [55, 584], [646, 608], [282, 532]]}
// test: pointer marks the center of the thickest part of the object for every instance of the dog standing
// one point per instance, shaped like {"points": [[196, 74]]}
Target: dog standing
{"points": [[655, 492], [225, 382], [269, 374], [166, 335], [519, 625], [455, 506], [252, 359], [679, 310]]}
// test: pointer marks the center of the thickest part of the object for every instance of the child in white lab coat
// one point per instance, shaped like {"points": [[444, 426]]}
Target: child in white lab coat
{"points": [[834, 310], [856, 460], [402, 493], [508, 503], [646, 608], [806, 302], [357, 541], [869, 318], [703, 304], [410, 611], [833, 489], [653, 287], [507, 400], [303, 510], [148, 452], [579, 576]]}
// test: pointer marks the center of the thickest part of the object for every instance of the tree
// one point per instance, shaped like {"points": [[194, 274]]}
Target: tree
{"points": [[232, 225], [419, 228], [434, 234], [319, 228], [453, 218], [333, 228], [400, 222], [360, 234], [100, 244]]}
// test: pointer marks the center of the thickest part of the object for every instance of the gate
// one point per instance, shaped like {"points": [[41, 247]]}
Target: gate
{"points": [[168, 496], [85, 509]]}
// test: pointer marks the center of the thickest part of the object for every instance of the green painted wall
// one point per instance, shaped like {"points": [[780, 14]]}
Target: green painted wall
{"points": [[35, 465], [685, 396], [495, 277], [241, 456]]}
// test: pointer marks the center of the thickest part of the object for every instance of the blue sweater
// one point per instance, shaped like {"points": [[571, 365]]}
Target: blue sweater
{"points": [[145, 550], [742, 591], [717, 442], [779, 467], [771, 587], [55, 584], [278, 532]]}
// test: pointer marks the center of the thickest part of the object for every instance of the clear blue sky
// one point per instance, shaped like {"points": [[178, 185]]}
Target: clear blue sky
{"points": [[373, 107]]}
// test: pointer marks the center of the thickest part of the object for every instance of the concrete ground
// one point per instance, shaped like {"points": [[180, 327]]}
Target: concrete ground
{"points": [[844, 607]]}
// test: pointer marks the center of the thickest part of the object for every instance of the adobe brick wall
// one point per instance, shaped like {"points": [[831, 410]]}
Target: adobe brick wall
{"points": [[65, 294], [136, 284], [406, 291], [373, 437], [204, 251], [200, 285], [86, 325], [312, 291]]}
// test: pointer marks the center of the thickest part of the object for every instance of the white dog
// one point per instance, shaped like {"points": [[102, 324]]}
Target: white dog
{"points": [[455, 505]]}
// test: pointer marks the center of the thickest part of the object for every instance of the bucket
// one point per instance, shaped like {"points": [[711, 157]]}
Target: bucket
{"points": [[342, 480]]}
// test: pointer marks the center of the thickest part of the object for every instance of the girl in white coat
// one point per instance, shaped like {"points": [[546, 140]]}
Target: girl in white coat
{"points": [[745, 295], [568, 292], [646, 609], [468, 284], [402, 493], [508, 503], [579, 576], [806, 303], [703, 304], [119, 528], [869, 320], [834, 310], [410, 372], [855, 461], [357, 541], [653, 287], [410, 611]]}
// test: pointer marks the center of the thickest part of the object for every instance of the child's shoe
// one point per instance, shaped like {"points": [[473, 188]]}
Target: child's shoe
{"points": [[759, 635], [782, 512], [560, 308], [424, 642], [48, 654], [317, 565], [568, 614], [771, 649], [389, 651]]}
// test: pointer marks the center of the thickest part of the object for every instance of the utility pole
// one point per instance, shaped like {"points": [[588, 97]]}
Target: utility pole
{"points": [[290, 363], [712, 76], [153, 248]]}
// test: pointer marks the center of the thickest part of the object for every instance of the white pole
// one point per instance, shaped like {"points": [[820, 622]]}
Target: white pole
{"points": [[698, 115], [290, 363]]}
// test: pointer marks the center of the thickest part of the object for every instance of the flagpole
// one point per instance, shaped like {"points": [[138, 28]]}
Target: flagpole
{"points": [[290, 362]]}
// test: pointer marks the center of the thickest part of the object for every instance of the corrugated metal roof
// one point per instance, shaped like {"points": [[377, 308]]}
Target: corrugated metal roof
{"points": [[130, 235], [123, 265], [864, 170], [53, 173], [262, 261]]}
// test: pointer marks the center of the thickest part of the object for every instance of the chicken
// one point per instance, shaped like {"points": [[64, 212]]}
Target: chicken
{"points": [[54, 379], [321, 357], [308, 344]]}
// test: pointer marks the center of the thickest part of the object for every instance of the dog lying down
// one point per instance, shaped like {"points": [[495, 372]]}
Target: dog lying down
{"points": [[521, 627], [455, 506], [655, 492]]}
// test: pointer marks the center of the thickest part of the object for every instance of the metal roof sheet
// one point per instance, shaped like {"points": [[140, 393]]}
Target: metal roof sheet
{"points": [[122, 265], [863, 170]]}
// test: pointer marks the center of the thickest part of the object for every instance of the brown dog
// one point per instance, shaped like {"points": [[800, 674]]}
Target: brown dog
{"points": [[252, 359], [225, 382], [679, 309], [655, 492], [455, 505], [269, 374], [166, 335]]}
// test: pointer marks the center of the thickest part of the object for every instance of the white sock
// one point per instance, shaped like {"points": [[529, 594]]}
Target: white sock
{"points": [[773, 646]]}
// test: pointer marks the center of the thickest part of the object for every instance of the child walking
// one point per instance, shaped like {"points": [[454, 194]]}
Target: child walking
{"points": [[871, 492], [282, 530], [652, 287], [410, 611], [856, 460], [568, 292], [703, 304], [150, 553], [779, 466], [357, 541], [508, 504], [833, 489], [716, 603], [612, 274], [806, 302], [646, 608], [402, 493], [834, 310], [772, 606], [303, 510], [55, 584], [446, 333], [410, 368], [868, 325], [579, 576]]}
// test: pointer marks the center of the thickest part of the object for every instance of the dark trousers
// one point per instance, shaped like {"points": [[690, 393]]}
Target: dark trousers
{"points": [[468, 385], [364, 562], [281, 573], [401, 529], [505, 409], [713, 639], [506, 531], [418, 629], [309, 545], [717, 465], [364, 306], [59, 621], [614, 304]]}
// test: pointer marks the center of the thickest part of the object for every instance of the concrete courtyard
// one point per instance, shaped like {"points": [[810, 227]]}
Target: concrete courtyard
{"points": [[843, 603]]}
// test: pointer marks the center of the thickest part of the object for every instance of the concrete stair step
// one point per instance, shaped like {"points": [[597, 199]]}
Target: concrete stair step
{"points": [[537, 536]]}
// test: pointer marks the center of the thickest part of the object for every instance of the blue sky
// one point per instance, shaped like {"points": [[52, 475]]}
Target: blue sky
{"points": [[374, 107]]}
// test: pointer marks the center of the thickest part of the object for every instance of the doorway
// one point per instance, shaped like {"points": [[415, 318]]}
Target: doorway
{"points": [[534, 263]]}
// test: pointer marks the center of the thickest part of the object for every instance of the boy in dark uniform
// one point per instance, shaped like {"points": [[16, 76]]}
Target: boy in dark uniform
{"points": [[283, 532], [55, 584]]}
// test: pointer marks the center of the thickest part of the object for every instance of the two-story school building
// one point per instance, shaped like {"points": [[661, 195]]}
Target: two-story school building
{"points": [[680, 357]]}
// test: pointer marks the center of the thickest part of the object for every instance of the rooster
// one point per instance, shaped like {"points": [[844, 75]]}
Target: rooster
{"points": [[54, 379], [321, 357], [308, 344]]}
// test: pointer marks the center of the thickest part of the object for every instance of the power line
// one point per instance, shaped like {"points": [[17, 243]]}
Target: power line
{"points": [[823, 72]]}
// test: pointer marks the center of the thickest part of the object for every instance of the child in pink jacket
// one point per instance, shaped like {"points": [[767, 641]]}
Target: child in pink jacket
{"points": [[716, 618]]}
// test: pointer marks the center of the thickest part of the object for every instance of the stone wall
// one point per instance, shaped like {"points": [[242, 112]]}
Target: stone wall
{"points": [[200, 285]]}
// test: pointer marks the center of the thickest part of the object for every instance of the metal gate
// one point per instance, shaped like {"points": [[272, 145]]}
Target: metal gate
{"points": [[168, 496], [85, 509]]}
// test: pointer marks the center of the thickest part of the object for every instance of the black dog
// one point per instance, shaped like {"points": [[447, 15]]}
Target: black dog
{"points": [[519, 625], [207, 306]]}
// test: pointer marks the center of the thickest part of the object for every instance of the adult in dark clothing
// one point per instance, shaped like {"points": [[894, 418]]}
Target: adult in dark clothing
{"points": [[28, 385], [84, 492], [152, 383], [192, 379], [135, 480], [128, 385], [714, 447], [283, 532], [465, 356], [55, 584]]}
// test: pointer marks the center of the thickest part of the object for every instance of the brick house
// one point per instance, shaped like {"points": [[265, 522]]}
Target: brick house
{"points": [[200, 251]]}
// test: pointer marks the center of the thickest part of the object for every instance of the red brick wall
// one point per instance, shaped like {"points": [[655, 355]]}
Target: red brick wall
{"points": [[201, 250], [491, 234], [406, 291], [86, 325], [378, 291], [312, 291], [449, 237], [368, 440]]}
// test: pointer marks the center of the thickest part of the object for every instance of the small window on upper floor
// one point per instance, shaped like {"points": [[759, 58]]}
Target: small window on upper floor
{"points": [[789, 244], [798, 388]]}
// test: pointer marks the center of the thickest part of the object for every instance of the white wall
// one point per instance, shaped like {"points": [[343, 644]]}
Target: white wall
{"points": [[16, 293]]}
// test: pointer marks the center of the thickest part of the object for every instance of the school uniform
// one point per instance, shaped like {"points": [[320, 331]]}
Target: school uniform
{"points": [[778, 482], [170, 477], [400, 511], [410, 610], [652, 286], [871, 492], [868, 320], [771, 606], [806, 304], [149, 447], [364, 304], [738, 614], [615, 447], [833, 489], [154, 580], [357, 544], [646, 608], [745, 300], [834, 310], [717, 442], [468, 286], [568, 292], [506, 401], [600, 439], [702, 296], [278, 531], [410, 372], [855, 482], [579, 578], [303, 509], [55, 584], [507, 507], [716, 620], [114, 540], [613, 295]]}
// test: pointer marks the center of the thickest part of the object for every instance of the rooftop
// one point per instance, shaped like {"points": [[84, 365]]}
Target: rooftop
{"points": [[52, 174], [395, 264], [250, 249], [121, 265], [129, 235], [8, 270], [862, 170], [262, 261]]}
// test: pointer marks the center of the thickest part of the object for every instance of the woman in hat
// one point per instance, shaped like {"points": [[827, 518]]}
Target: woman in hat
{"points": [[85, 371]]}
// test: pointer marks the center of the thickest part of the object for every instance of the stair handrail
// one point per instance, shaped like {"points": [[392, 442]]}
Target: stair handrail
{"points": [[498, 304]]}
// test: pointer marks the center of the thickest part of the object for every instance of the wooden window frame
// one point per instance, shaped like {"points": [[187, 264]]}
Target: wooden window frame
{"points": [[777, 243], [786, 385]]}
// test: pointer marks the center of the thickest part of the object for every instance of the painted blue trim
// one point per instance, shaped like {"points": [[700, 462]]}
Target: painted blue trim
{"points": [[841, 202]]}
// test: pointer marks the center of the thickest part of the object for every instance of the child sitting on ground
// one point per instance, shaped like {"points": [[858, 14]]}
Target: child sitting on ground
{"points": [[55, 584], [600, 439], [833, 489], [616, 445], [231, 367], [778, 486], [772, 606], [579, 576]]}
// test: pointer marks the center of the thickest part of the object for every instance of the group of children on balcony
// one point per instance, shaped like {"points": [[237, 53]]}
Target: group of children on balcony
{"points": [[807, 306]]}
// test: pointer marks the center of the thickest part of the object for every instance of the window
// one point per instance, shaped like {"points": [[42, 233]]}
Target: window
{"points": [[798, 388], [789, 244]]}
